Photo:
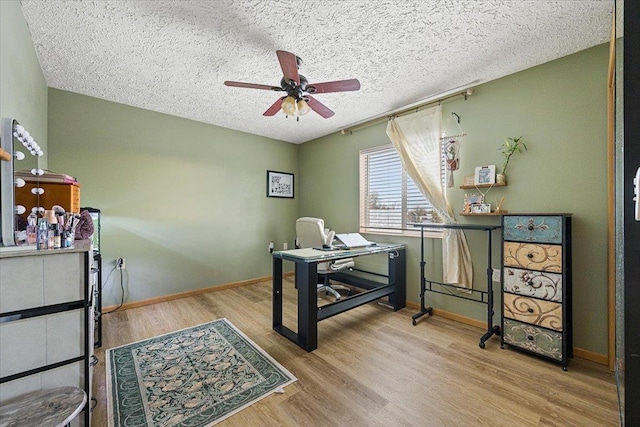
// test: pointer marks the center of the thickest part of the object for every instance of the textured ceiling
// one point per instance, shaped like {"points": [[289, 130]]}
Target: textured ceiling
{"points": [[173, 56]]}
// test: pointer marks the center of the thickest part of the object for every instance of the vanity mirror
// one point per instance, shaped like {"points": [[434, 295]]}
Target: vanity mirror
{"points": [[20, 151]]}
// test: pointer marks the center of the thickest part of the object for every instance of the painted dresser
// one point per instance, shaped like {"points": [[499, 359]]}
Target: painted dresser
{"points": [[536, 285], [47, 321]]}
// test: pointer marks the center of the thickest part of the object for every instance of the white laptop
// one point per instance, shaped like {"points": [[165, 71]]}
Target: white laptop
{"points": [[353, 240]]}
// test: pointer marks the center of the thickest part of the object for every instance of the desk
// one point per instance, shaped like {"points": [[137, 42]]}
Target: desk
{"points": [[485, 297], [306, 278]]}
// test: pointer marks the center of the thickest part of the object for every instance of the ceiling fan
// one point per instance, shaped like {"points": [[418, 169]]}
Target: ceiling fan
{"points": [[299, 101]]}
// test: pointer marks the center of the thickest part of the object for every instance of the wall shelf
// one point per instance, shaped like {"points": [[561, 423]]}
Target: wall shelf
{"points": [[500, 184], [484, 214]]}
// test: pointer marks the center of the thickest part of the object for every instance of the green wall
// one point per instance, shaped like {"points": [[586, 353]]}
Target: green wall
{"points": [[560, 109], [183, 202], [23, 90]]}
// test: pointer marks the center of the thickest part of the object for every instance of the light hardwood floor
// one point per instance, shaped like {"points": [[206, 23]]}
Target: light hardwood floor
{"points": [[374, 368]]}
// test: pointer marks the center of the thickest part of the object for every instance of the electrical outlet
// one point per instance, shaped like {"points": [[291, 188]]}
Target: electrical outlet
{"points": [[495, 275], [120, 265], [285, 246]]}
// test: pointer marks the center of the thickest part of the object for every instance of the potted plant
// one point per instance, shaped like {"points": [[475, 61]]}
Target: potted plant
{"points": [[509, 147]]}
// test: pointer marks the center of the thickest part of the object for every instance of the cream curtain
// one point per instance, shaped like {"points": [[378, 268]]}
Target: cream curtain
{"points": [[416, 137]]}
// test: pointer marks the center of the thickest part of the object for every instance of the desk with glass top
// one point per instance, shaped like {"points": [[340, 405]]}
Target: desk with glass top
{"points": [[306, 279]]}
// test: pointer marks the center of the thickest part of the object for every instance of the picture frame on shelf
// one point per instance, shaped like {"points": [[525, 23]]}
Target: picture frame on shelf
{"points": [[485, 175], [280, 184], [468, 180], [471, 200], [481, 208]]}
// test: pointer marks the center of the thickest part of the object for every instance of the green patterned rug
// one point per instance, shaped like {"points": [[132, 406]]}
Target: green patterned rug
{"points": [[195, 377]]}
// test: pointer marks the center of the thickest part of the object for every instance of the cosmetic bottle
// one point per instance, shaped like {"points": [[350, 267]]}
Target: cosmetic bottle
{"points": [[32, 229], [51, 241], [43, 234], [56, 238], [68, 239]]}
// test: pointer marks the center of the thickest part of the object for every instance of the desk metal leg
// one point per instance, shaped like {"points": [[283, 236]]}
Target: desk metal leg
{"points": [[306, 278], [277, 293], [491, 328], [397, 278], [423, 310]]}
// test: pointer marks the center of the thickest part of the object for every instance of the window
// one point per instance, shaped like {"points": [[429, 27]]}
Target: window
{"points": [[389, 200]]}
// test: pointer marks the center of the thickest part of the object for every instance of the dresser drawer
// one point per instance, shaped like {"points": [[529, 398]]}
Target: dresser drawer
{"points": [[539, 312], [542, 229], [532, 338], [532, 256], [538, 284]]}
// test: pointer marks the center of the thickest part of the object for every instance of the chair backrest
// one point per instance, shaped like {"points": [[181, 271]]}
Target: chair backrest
{"points": [[310, 232]]}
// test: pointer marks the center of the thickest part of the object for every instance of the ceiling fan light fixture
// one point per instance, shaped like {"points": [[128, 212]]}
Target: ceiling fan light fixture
{"points": [[303, 107], [299, 100], [289, 106]]}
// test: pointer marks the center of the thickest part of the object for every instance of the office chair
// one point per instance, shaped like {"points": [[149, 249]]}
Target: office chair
{"points": [[312, 234]]}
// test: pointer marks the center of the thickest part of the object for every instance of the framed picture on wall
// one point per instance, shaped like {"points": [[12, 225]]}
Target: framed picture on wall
{"points": [[485, 175], [279, 184]]}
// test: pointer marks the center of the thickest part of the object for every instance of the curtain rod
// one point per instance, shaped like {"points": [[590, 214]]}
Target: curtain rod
{"points": [[415, 109]]}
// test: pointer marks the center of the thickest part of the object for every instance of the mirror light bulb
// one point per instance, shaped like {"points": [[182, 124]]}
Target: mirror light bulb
{"points": [[19, 155], [20, 182]]}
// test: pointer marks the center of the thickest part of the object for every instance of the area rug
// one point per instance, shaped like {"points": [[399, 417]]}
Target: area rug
{"points": [[195, 377]]}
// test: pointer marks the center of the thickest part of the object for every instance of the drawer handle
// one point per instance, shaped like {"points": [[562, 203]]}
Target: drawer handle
{"points": [[530, 227], [530, 337], [529, 256], [530, 310], [530, 283]]}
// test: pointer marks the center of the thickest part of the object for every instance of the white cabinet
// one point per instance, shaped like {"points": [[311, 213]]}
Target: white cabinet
{"points": [[46, 322]]}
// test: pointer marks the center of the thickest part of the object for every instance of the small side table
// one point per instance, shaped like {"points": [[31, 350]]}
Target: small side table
{"points": [[46, 408]]}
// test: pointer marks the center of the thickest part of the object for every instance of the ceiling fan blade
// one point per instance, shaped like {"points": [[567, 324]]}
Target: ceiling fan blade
{"points": [[273, 110], [319, 107], [289, 65], [252, 86], [337, 86]]}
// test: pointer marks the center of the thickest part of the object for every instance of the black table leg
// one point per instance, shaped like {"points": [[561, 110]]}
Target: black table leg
{"points": [[306, 278], [397, 278], [277, 293], [491, 328]]}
